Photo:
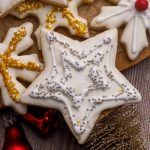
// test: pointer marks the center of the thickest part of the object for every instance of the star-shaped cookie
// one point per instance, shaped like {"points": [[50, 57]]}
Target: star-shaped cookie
{"points": [[52, 17], [80, 79], [136, 15], [13, 66], [7, 5]]}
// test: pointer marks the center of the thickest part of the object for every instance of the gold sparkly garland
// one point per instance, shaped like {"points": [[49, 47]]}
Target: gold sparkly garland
{"points": [[7, 61], [78, 26], [119, 130]]}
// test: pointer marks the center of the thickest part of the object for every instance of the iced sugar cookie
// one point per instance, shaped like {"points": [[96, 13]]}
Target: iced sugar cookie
{"points": [[136, 15], [13, 66], [7, 5], [52, 17], [80, 80]]}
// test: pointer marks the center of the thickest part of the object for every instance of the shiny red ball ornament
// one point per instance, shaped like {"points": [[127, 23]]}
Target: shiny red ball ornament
{"points": [[141, 5], [45, 123], [15, 138]]}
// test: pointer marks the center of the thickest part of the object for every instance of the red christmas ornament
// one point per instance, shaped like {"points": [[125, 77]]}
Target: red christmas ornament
{"points": [[15, 138], [141, 5], [45, 123]]}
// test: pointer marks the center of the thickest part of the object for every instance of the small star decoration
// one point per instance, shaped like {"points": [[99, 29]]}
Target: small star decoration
{"points": [[80, 79], [13, 66]]}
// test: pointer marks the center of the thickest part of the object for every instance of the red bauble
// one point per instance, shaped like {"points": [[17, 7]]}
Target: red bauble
{"points": [[44, 123], [141, 5], [15, 138]]}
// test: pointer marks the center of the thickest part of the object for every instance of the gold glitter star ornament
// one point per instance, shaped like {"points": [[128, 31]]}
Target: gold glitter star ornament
{"points": [[80, 79], [13, 66], [7, 5]]}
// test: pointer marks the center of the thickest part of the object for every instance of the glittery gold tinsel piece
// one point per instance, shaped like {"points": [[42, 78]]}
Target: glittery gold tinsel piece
{"points": [[7, 62], [120, 130], [78, 26]]}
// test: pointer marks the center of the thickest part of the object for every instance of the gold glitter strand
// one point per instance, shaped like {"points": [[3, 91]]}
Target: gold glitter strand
{"points": [[51, 18], [79, 27], [30, 6], [7, 61], [120, 130], [13, 92], [18, 64], [18, 36]]}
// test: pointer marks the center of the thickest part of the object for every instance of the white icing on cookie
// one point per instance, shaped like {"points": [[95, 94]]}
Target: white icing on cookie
{"points": [[7, 5], [137, 22], [80, 80], [13, 66], [51, 17]]}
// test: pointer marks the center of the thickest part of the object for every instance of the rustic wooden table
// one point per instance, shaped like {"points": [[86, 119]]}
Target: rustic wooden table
{"points": [[62, 139]]}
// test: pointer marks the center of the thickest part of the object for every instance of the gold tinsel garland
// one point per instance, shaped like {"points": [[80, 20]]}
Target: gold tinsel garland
{"points": [[120, 130]]}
